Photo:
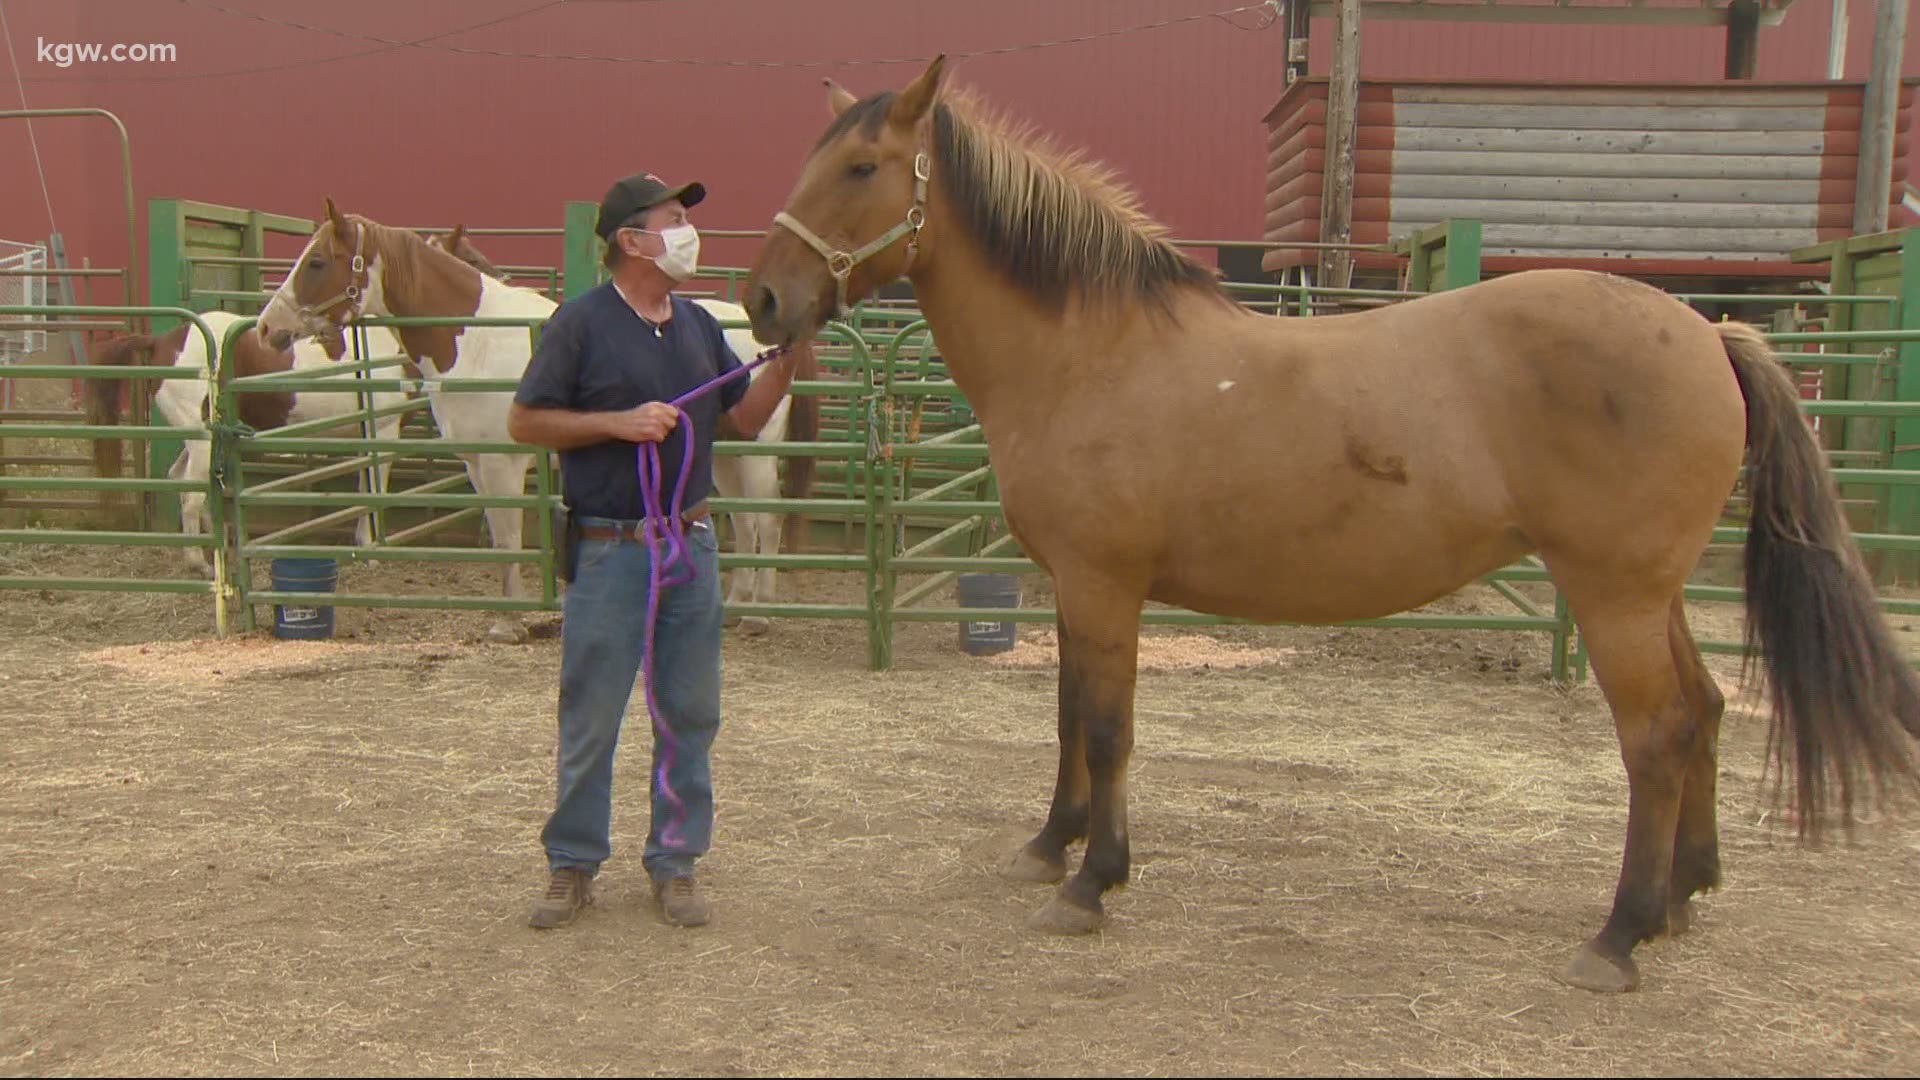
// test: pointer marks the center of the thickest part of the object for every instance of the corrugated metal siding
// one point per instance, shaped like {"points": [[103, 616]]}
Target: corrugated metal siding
{"points": [[1721, 174]]}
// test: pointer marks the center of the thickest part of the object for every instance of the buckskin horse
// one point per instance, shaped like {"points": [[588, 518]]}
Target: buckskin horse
{"points": [[1155, 441]]}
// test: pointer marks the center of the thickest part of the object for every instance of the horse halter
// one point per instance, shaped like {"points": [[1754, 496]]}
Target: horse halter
{"points": [[353, 293], [840, 264]]}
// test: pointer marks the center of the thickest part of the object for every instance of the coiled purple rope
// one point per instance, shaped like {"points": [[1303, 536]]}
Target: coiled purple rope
{"points": [[664, 524]]}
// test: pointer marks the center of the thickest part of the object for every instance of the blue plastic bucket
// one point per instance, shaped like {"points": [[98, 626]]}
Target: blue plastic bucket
{"points": [[988, 591], [298, 622]]}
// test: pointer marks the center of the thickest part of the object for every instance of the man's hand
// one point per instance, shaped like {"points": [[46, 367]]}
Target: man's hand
{"points": [[651, 422]]}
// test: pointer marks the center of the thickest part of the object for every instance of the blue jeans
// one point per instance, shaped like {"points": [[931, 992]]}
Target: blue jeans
{"points": [[602, 635]]}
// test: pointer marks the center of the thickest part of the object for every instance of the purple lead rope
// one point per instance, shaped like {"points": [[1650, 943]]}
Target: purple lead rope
{"points": [[664, 524]]}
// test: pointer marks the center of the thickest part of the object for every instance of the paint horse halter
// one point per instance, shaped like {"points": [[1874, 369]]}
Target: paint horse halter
{"points": [[355, 292], [840, 264]]}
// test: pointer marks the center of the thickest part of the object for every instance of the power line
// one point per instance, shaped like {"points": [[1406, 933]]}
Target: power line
{"points": [[14, 59], [1267, 7]]}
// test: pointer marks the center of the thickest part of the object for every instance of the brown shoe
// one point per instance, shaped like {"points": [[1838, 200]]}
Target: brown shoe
{"points": [[681, 901], [566, 894]]}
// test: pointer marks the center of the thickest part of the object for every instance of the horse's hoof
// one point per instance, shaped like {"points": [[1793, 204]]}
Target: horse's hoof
{"points": [[1588, 970], [755, 625], [1026, 866], [1679, 919], [507, 634], [1063, 916]]}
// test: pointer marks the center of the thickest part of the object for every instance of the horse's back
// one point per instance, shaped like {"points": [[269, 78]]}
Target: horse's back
{"points": [[1404, 450], [1583, 385]]}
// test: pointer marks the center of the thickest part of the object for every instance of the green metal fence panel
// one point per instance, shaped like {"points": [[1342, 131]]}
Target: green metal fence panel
{"points": [[902, 461], [106, 488]]}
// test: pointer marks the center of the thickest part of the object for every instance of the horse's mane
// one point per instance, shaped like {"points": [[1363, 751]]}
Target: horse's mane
{"points": [[1057, 223], [408, 260]]}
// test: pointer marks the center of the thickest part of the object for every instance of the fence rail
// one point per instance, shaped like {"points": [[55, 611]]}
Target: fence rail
{"points": [[902, 466]]}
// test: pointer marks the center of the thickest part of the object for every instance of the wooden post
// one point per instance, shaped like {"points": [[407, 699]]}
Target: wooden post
{"points": [[1873, 186], [1837, 41], [1743, 37], [1343, 115]]}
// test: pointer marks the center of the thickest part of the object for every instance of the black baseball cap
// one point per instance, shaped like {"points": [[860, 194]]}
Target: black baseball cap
{"points": [[641, 191]]}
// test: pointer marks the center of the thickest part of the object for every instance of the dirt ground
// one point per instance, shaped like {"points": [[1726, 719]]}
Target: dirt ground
{"points": [[1355, 852]]}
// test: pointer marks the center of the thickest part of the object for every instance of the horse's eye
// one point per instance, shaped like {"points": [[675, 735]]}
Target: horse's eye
{"points": [[316, 263], [862, 170]]}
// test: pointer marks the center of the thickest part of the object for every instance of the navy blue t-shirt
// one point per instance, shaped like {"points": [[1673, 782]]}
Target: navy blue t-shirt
{"points": [[595, 355]]}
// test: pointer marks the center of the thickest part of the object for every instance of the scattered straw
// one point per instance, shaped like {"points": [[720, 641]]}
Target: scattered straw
{"points": [[1175, 652], [211, 662]]}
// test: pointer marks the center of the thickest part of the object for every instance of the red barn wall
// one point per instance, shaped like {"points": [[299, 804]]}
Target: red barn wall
{"points": [[253, 113]]}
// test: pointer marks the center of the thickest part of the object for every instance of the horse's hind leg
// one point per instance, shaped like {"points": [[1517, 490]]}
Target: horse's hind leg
{"points": [[740, 581], [193, 464], [1696, 845], [751, 585], [760, 477], [389, 428], [1043, 859], [767, 538], [1633, 661], [504, 474]]}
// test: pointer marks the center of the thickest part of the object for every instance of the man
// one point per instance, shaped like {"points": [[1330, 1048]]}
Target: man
{"points": [[596, 388]]}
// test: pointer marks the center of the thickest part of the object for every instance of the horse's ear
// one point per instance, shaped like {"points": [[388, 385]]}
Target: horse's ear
{"points": [[453, 238], [838, 99], [341, 230], [913, 102]]}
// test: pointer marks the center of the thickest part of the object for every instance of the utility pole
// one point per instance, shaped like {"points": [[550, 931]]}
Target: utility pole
{"points": [[1343, 119], [1873, 186]]}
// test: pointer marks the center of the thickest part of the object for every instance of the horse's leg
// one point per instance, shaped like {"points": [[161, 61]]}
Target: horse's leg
{"points": [[387, 428], [767, 537], [726, 484], [1099, 653], [740, 584], [762, 481], [1696, 845], [1043, 859], [193, 462], [504, 474], [1627, 638]]}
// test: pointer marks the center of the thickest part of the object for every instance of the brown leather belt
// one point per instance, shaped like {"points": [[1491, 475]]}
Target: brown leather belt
{"points": [[690, 515]]}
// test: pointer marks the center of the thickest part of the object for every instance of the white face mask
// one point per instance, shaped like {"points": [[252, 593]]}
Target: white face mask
{"points": [[682, 256]]}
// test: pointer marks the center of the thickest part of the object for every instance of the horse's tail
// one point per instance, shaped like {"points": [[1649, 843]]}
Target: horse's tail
{"points": [[803, 425], [1843, 695], [103, 395]]}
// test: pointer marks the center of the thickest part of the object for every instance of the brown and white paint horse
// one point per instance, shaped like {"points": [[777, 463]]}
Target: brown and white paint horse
{"points": [[183, 402], [353, 266]]}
